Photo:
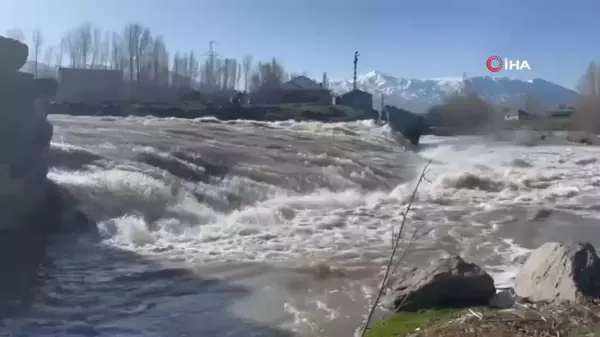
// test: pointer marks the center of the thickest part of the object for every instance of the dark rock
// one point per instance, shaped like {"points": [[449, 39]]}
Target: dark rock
{"points": [[450, 283], [410, 125], [59, 213], [28, 200], [558, 272], [13, 55], [504, 299]]}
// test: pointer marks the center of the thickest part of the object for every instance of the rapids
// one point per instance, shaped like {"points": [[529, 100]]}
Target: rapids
{"points": [[281, 229]]}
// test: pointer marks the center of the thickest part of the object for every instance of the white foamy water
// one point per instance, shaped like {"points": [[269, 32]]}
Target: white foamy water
{"points": [[281, 229]]}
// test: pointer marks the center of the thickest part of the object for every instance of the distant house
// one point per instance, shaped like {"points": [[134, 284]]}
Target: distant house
{"points": [[515, 114], [563, 111], [90, 85], [301, 83], [357, 99], [300, 89]]}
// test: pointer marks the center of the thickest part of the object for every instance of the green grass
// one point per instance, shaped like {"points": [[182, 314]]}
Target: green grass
{"points": [[402, 323]]}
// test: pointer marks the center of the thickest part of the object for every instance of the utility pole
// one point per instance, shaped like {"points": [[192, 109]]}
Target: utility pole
{"points": [[356, 55], [210, 67], [382, 108], [466, 84]]}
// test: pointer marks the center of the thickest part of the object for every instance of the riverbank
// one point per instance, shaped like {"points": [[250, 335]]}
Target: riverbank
{"points": [[572, 320], [258, 112], [555, 293]]}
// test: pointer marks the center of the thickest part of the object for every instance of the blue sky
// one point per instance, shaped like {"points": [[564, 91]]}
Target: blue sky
{"points": [[414, 39]]}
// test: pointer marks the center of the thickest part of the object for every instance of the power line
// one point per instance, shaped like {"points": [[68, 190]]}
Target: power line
{"points": [[210, 76]]}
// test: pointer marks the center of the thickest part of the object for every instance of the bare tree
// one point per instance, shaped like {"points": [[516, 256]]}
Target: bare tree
{"points": [[587, 110], [84, 40], [267, 75], [16, 33], [70, 46], [104, 51], [59, 55], [49, 55], [229, 74], [247, 65], [131, 41], [238, 76], [192, 68], [96, 47], [79, 45], [589, 83], [138, 45], [178, 70], [37, 41], [116, 52], [48, 59], [466, 114], [158, 59]]}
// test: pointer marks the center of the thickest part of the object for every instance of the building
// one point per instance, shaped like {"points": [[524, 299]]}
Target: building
{"points": [[299, 89], [562, 112], [357, 99], [90, 85]]}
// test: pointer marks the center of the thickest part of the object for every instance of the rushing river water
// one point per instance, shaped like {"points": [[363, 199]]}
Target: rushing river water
{"points": [[281, 229]]}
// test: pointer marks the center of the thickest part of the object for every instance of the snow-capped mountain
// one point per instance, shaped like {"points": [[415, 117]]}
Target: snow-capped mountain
{"points": [[419, 94]]}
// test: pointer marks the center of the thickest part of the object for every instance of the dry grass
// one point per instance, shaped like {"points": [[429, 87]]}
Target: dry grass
{"points": [[551, 320]]}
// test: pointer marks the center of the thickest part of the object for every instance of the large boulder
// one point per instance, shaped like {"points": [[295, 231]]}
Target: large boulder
{"points": [[27, 199], [13, 55], [559, 272], [450, 283]]}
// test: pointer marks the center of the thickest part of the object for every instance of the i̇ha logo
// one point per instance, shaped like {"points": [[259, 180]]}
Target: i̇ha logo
{"points": [[496, 63]]}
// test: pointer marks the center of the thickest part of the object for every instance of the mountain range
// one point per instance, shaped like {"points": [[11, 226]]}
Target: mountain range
{"points": [[419, 94]]}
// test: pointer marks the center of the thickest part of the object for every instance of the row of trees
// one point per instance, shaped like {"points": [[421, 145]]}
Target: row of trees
{"points": [[144, 57], [587, 113], [467, 112]]}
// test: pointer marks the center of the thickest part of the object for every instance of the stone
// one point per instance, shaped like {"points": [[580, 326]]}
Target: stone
{"points": [[451, 283], [13, 55], [24, 138], [557, 272], [504, 299]]}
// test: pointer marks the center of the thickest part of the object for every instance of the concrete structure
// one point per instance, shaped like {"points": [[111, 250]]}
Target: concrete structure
{"points": [[90, 85], [357, 99]]}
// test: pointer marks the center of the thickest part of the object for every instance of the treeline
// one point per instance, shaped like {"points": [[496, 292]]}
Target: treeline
{"points": [[464, 113], [469, 113], [143, 56], [587, 109]]}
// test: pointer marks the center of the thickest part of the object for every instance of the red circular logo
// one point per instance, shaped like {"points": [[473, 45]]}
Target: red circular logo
{"points": [[490, 64]]}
